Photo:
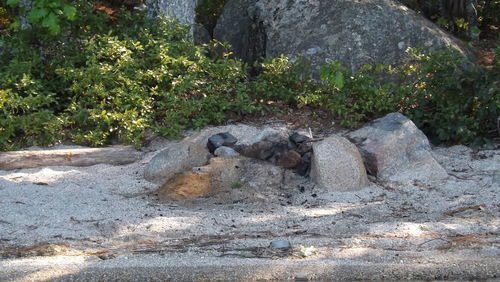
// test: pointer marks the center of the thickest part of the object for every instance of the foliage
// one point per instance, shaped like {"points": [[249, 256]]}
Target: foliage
{"points": [[116, 82], [452, 15], [360, 96], [49, 14], [4, 17], [26, 113], [452, 101], [101, 81], [281, 81]]}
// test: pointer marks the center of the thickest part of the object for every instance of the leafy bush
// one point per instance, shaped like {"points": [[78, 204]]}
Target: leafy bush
{"points": [[360, 96], [452, 101], [49, 14], [452, 15], [281, 80], [112, 82], [26, 114], [103, 80], [4, 17], [148, 77]]}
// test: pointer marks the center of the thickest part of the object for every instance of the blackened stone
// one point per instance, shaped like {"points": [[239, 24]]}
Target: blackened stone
{"points": [[290, 159], [220, 139], [304, 148], [262, 150], [305, 166], [278, 150], [298, 138]]}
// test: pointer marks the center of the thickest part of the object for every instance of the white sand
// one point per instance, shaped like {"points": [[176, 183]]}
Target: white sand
{"points": [[106, 215]]}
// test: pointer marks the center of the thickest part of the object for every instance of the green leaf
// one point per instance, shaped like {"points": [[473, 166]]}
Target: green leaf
{"points": [[12, 3], [36, 14], [339, 80], [16, 24], [52, 23], [69, 12]]}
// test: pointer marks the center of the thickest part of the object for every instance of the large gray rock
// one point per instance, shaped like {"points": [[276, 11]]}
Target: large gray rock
{"points": [[175, 159], [201, 34], [242, 29], [337, 165], [394, 149], [350, 31], [183, 10]]}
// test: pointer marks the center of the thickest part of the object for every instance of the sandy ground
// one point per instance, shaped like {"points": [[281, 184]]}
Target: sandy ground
{"points": [[105, 223]]}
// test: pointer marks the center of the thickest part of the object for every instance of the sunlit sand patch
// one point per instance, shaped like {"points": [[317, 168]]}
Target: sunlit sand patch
{"points": [[45, 175]]}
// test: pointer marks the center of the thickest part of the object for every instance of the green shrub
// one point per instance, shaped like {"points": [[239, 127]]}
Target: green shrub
{"points": [[152, 77], [26, 115], [100, 81], [281, 81], [113, 81], [452, 101], [361, 96], [48, 14]]}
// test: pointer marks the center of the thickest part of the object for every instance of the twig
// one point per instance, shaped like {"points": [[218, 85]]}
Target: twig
{"points": [[460, 177], [459, 210]]}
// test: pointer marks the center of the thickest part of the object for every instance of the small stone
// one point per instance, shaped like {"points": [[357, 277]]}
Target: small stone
{"points": [[280, 244], [290, 159], [304, 148], [299, 138], [227, 152], [301, 277], [278, 150], [305, 167], [220, 139]]}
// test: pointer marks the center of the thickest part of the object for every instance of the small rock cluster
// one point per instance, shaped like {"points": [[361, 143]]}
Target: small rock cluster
{"points": [[223, 159], [294, 153]]}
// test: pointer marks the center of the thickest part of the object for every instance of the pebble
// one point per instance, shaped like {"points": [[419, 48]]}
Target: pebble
{"points": [[220, 139], [290, 159], [227, 152], [299, 138], [280, 244]]}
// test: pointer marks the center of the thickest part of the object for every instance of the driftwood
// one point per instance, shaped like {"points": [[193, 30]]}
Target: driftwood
{"points": [[115, 155]]}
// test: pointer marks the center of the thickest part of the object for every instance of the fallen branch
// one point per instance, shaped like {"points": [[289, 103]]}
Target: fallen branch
{"points": [[459, 210], [115, 155]]}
